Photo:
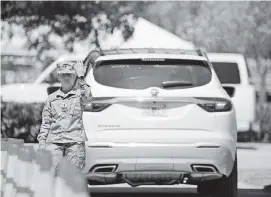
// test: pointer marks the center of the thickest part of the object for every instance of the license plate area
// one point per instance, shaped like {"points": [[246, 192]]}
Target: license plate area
{"points": [[154, 110]]}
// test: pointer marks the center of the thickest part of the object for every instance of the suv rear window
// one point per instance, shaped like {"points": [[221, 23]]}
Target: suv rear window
{"points": [[227, 72], [138, 74]]}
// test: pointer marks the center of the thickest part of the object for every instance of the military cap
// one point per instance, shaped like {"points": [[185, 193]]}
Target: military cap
{"points": [[66, 67]]}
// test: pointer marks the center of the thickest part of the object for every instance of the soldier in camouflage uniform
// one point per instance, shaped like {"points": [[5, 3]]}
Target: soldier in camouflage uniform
{"points": [[62, 130]]}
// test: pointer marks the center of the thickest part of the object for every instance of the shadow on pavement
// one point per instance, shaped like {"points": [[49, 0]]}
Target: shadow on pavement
{"points": [[143, 195], [267, 188], [241, 193], [253, 193]]}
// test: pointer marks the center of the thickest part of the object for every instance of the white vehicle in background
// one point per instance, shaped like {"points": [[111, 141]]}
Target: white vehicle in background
{"points": [[35, 92], [160, 117], [235, 77]]}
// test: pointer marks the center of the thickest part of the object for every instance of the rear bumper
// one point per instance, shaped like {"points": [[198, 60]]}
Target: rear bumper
{"points": [[137, 178], [164, 160]]}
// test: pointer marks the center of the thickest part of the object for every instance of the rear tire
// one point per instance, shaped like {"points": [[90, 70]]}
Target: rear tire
{"points": [[206, 188], [225, 187]]}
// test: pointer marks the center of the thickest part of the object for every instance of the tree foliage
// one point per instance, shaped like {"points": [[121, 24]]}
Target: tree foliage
{"points": [[243, 27], [20, 120], [72, 21]]}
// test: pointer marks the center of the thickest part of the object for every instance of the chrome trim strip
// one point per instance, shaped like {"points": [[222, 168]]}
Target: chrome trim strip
{"points": [[105, 166], [185, 100], [194, 167], [144, 100]]}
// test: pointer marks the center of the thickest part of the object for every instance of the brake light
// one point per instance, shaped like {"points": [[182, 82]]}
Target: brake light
{"points": [[214, 104], [153, 59]]}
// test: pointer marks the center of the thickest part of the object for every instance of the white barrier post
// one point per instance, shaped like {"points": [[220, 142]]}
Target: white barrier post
{"points": [[4, 149], [70, 181], [61, 188], [12, 163], [43, 180], [77, 181], [24, 172]]}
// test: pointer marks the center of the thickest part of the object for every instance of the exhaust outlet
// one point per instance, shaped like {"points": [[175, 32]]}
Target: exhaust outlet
{"points": [[204, 168], [104, 169]]}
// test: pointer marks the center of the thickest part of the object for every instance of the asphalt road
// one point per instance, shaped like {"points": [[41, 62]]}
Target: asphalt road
{"points": [[184, 192], [248, 193], [173, 193]]}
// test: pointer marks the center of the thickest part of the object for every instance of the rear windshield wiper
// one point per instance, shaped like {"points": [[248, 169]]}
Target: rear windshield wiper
{"points": [[168, 84]]}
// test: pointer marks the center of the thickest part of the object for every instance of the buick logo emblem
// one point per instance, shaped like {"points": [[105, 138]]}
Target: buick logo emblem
{"points": [[154, 92]]}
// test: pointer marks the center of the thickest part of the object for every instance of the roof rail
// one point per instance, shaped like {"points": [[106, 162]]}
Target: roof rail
{"points": [[198, 52]]}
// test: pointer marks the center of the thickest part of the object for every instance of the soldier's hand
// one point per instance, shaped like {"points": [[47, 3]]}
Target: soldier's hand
{"points": [[42, 144], [79, 68]]}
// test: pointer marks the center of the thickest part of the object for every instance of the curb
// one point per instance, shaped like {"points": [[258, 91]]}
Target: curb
{"points": [[246, 147]]}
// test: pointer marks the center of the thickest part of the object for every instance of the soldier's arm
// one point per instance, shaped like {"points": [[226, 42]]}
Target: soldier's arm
{"points": [[46, 123], [86, 95]]}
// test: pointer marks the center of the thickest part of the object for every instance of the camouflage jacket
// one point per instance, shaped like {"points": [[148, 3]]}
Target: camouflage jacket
{"points": [[62, 115]]}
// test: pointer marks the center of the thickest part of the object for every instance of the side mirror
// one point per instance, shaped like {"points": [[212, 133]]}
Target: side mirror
{"points": [[52, 89], [229, 90]]}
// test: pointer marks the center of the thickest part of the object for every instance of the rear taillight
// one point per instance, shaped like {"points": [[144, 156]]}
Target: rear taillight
{"points": [[98, 104], [214, 104]]}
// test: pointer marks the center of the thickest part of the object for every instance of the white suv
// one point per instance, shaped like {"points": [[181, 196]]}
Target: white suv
{"points": [[160, 117], [235, 77]]}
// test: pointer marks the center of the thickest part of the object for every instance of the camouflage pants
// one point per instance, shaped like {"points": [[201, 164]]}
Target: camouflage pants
{"points": [[74, 152]]}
